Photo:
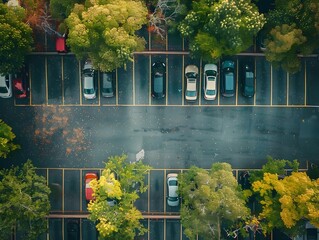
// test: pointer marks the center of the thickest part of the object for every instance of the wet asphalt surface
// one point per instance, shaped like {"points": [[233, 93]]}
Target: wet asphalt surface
{"points": [[172, 137]]}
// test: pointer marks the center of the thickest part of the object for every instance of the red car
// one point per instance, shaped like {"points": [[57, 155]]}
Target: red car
{"points": [[88, 190], [20, 88]]}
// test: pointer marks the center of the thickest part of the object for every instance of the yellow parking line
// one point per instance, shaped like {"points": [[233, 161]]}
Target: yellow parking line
{"points": [[200, 82], [218, 83], [62, 189], [305, 100], [98, 87], [271, 84], [30, 92], [80, 82], [287, 93], [255, 80], [149, 191], [166, 90], [183, 66], [237, 82], [62, 78], [46, 80], [133, 68], [117, 89], [150, 81], [81, 182], [164, 179]]}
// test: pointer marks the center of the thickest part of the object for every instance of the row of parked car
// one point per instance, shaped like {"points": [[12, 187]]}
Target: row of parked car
{"points": [[19, 87], [210, 86], [172, 189]]}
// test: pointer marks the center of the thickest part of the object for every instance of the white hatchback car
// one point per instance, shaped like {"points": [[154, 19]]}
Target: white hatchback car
{"points": [[89, 89], [210, 81], [191, 73], [172, 186], [5, 86]]}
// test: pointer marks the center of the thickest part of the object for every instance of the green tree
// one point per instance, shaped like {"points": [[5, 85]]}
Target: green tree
{"points": [[24, 202], [293, 29], [217, 28], [212, 200], [6, 140], [288, 203], [15, 38], [61, 9], [122, 220], [104, 31]]}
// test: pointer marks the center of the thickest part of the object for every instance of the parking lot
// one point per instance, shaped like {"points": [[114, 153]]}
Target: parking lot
{"points": [[56, 80], [68, 197]]}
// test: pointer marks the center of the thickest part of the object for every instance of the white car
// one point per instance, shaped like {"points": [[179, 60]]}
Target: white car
{"points": [[210, 81], [89, 89], [5, 86], [191, 73], [172, 186]]}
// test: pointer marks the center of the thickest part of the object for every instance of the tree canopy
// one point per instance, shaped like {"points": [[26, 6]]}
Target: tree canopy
{"points": [[120, 181], [218, 28], [289, 202], [212, 200], [24, 202], [293, 29], [15, 38], [6, 140], [104, 31]]}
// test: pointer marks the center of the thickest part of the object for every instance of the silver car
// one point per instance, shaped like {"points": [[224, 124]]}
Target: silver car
{"points": [[210, 81], [191, 73], [172, 186], [89, 89], [5, 86]]}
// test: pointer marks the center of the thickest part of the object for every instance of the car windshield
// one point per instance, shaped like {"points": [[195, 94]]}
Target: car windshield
{"points": [[19, 92], [107, 90], [88, 72], [191, 75], [89, 91], [211, 78], [173, 199], [3, 90], [210, 92], [158, 83], [191, 93], [211, 73], [173, 182]]}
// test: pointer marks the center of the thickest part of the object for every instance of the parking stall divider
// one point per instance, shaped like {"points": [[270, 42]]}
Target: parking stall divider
{"points": [[98, 87], [237, 82], [166, 72], [218, 84], [46, 80], [81, 186], [200, 82], [164, 190], [133, 78], [183, 79], [255, 80], [116, 88], [287, 92], [271, 79], [62, 78], [80, 83], [305, 79], [150, 80]]}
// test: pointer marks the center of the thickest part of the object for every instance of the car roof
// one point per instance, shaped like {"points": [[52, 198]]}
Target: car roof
{"points": [[210, 67], [88, 82], [191, 68], [228, 64]]}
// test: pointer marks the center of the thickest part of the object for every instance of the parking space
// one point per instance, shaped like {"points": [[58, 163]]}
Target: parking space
{"points": [[56, 80]]}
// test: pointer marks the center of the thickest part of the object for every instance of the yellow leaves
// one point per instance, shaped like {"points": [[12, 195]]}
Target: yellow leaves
{"points": [[105, 227]]}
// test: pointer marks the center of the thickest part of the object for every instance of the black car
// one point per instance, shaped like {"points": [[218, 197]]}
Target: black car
{"points": [[248, 80], [158, 79], [227, 84]]}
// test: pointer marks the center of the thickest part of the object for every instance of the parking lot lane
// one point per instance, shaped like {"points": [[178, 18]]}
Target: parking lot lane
{"points": [[241, 63], [142, 79], [297, 86], [84, 203], [312, 81], [203, 101], [229, 100], [175, 76], [38, 80], [145, 235], [175, 41], [169, 208], [279, 86], [55, 228], [156, 188], [156, 229], [143, 32], [125, 85], [71, 80], [188, 61], [56, 186], [143, 202], [54, 67], [173, 229], [263, 81], [88, 230], [157, 101]]}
